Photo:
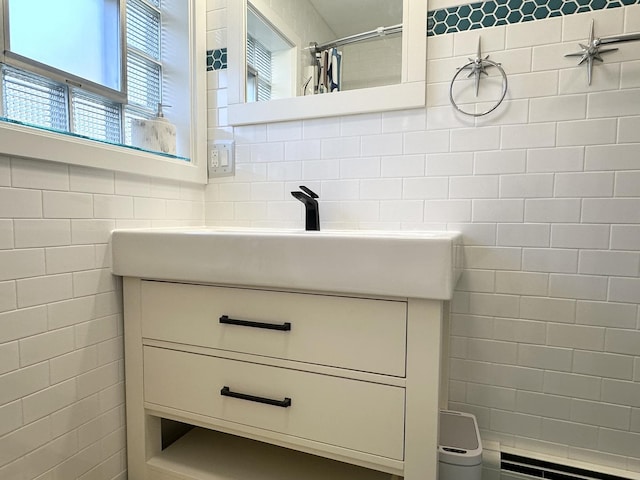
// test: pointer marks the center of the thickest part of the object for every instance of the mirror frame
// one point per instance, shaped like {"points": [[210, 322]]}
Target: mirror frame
{"points": [[409, 93]]}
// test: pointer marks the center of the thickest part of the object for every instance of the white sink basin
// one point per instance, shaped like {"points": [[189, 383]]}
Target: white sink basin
{"points": [[400, 264]]}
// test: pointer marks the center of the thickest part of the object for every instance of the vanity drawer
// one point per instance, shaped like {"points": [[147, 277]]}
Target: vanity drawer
{"points": [[353, 414], [355, 333]]}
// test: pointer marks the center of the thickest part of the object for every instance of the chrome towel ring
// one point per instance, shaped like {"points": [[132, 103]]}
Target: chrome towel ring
{"points": [[478, 67], [505, 85]]}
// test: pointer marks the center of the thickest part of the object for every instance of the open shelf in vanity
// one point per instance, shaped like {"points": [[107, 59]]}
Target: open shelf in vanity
{"points": [[211, 455], [281, 383]]}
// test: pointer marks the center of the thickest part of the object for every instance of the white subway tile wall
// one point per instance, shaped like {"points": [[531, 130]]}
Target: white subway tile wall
{"points": [[61, 351], [545, 333]]}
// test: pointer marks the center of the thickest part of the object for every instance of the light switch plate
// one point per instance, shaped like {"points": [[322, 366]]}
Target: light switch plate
{"points": [[221, 158]]}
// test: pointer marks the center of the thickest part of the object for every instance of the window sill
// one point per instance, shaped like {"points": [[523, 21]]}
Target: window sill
{"points": [[18, 140]]}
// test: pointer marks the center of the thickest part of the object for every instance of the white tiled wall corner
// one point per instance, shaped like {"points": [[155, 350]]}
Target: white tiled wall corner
{"points": [[545, 319], [61, 315]]}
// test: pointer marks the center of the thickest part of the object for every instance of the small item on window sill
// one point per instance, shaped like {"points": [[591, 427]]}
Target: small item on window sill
{"points": [[158, 134]]}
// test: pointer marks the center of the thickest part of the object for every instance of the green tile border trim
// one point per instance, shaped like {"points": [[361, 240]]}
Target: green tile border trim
{"points": [[216, 59], [505, 12]]}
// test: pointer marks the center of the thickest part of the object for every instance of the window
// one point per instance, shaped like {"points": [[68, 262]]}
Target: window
{"points": [[50, 114], [74, 83], [77, 41], [78, 83]]}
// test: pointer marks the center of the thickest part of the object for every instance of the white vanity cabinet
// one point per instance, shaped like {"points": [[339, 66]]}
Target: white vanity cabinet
{"points": [[279, 383], [334, 374]]}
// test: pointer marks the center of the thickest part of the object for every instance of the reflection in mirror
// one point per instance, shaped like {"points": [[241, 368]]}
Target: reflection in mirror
{"points": [[286, 55], [366, 50], [321, 46], [271, 58]]}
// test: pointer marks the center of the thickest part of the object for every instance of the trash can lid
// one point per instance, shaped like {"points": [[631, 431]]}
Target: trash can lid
{"points": [[460, 442]]}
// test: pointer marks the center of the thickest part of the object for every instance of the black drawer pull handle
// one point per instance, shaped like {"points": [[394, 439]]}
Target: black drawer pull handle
{"points": [[226, 392], [284, 327]]}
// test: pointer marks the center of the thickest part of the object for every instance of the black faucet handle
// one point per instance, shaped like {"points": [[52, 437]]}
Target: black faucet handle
{"points": [[300, 196], [309, 192]]}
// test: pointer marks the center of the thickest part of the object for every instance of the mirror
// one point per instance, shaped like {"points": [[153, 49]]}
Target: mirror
{"points": [[302, 59]]}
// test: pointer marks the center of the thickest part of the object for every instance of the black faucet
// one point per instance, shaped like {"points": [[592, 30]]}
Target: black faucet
{"points": [[312, 216]]}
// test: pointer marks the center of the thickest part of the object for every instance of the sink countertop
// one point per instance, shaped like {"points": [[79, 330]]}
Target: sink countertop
{"points": [[408, 264]]}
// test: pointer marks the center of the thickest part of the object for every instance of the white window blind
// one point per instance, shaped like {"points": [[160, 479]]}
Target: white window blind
{"points": [[143, 28], [259, 59], [144, 62]]}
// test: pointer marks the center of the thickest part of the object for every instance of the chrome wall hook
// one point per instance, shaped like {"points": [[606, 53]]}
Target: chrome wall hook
{"points": [[593, 49], [590, 52]]}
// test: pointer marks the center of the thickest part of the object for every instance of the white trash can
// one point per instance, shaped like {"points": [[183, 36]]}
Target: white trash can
{"points": [[460, 447]]}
